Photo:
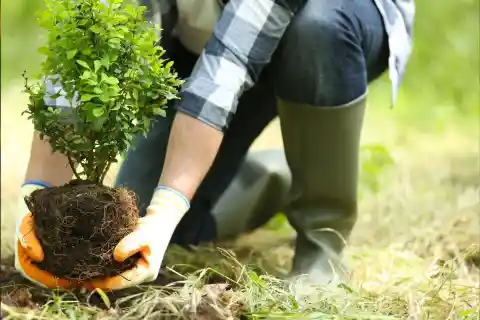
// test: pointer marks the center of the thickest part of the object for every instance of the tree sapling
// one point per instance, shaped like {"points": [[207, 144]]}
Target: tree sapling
{"points": [[105, 63]]}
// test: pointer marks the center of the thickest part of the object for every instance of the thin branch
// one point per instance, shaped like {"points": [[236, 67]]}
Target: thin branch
{"points": [[72, 165], [105, 171]]}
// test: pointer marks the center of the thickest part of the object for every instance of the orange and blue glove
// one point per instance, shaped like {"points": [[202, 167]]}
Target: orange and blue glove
{"points": [[27, 247], [151, 238]]}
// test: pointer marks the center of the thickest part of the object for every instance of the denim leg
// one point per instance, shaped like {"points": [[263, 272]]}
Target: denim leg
{"points": [[330, 52]]}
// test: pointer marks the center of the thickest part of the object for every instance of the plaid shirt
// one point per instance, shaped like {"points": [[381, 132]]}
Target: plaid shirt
{"points": [[243, 41]]}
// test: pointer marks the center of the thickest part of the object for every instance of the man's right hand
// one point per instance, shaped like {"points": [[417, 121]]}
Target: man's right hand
{"points": [[27, 247]]}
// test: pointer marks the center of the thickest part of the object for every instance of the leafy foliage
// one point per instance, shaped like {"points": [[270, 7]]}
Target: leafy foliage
{"points": [[105, 59]]}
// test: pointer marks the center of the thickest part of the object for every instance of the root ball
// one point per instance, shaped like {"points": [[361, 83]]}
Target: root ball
{"points": [[79, 225]]}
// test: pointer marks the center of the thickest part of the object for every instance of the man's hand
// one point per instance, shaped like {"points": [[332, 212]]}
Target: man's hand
{"points": [[151, 238], [28, 249]]}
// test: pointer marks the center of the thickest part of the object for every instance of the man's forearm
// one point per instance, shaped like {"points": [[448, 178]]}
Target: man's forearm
{"points": [[44, 165], [192, 147]]}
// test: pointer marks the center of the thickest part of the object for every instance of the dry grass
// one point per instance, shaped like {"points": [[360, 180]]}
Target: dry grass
{"points": [[412, 255]]}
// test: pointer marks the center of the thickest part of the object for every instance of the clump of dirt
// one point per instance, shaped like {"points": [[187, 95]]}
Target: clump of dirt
{"points": [[79, 225], [15, 291], [217, 302]]}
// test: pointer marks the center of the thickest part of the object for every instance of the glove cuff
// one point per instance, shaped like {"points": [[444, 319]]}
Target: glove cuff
{"points": [[31, 185], [164, 196], [36, 183]]}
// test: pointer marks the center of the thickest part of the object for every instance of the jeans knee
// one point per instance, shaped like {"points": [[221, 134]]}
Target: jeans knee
{"points": [[318, 29], [320, 61]]}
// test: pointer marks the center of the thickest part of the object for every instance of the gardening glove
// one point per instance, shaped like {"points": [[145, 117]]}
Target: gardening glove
{"points": [[27, 247], [151, 238]]}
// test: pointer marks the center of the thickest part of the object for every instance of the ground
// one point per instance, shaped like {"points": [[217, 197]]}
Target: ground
{"points": [[414, 253]]}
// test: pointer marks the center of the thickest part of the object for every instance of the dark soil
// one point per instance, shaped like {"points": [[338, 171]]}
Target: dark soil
{"points": [[79, 225]]}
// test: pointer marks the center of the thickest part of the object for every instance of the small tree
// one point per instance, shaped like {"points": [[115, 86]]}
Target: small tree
{"points": [[105, 59]]}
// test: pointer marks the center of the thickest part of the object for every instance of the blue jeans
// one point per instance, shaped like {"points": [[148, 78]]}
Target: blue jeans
{"points": [[327, 57]]}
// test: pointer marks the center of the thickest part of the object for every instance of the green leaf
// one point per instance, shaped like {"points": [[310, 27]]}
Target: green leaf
{"points": [[44, 50], [130, 10], [135, 93], [97, 64], [92, 82], [98, 112], [117, 35], [112, 80], [114, 40], [159, 111], [129, 115], [87, 51], [105, 96], [88, 97], [109, 80], [105, 61], [83, 64], [99, 122], [71, 54], [146, 123], [83, 147], [56, 95], [97, 29], [86, 75]]}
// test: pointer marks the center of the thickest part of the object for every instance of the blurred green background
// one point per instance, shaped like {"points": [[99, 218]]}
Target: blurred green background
{"points": [[441, 86]]}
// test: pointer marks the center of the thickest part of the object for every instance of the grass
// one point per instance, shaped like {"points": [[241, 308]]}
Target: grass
{"points": [[414, 290]]}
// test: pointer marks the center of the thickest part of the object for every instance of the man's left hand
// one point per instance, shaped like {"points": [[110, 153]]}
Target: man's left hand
{"points": [[151, 238]]}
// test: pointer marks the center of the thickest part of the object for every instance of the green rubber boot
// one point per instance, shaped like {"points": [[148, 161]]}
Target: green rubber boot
{"points": [[322, 150], [258, 191]]}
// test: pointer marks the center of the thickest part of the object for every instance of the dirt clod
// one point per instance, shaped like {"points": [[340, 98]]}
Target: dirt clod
{"points": [[19, 297], [216, 302], [79, 225], [18, 292]]}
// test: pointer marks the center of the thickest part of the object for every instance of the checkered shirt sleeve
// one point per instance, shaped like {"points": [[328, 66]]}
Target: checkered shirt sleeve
{"points": [[55, 97], [243, 41]]}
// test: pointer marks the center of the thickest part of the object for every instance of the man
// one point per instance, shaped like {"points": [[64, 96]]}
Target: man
{"points": [[309, 62]]}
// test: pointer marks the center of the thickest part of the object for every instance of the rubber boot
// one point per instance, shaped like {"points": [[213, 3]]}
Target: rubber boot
{"points": [[258, 191], [322, 150]]}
